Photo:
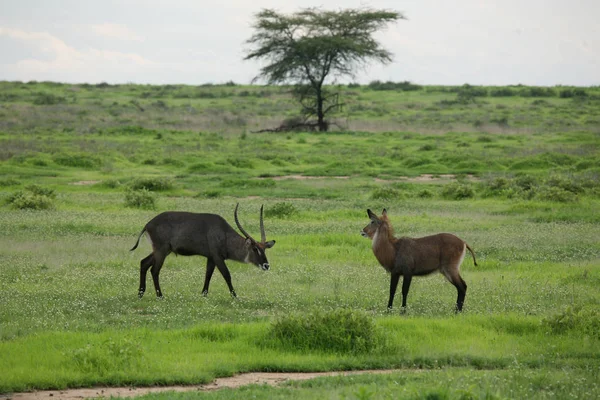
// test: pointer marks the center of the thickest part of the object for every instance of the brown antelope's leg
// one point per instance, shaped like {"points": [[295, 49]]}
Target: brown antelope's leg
{"points": [[405, 286], [393, 285], [226, 275], [461, 287], [210, 268], [145, 264], [159, 259]]}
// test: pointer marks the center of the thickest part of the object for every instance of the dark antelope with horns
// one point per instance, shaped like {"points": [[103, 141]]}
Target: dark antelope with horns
{"points": [[410, 257], [207, 235]]}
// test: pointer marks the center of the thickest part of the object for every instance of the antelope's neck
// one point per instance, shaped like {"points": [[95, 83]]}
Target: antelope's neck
{"points": [[383, 248], [238, 250]]}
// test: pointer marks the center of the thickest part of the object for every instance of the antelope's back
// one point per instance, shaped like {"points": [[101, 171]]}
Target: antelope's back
{"points": [[189, 233]]}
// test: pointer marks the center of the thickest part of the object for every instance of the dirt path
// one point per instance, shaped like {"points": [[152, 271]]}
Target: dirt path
{"points": [[269, 378]]}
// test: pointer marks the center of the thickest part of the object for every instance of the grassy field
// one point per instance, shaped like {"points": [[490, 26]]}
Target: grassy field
{"points": [[84, 167]]}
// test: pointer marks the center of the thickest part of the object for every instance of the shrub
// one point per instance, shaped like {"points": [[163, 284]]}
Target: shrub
{"points": [[9, 182], [112, 183], [552, 193], [564, 183], [48, 99], [281, 210], [386, 193], [340, 331], [574, 319], [140, 198], [243, 163], [425, 194], [427, 147], [458, 191], [151, 184], [503, 92], [33, 197]]}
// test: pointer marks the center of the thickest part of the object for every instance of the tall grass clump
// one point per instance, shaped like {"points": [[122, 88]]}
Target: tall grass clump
{"points": [[386, 193], [281, 210], [154, 184], [77, 160], [339, 331], [458, 191], [575, 319], [140, 198], [108, 356], [33, 197]]}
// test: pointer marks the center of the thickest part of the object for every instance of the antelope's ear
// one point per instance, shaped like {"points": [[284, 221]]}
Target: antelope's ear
{"points": [[384, 212], [269, 244], [371, 215], [248, 243]]}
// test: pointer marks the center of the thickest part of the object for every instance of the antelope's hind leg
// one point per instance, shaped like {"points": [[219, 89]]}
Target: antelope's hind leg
{"points": [[454, 278], [210, 268], [145, 264]]}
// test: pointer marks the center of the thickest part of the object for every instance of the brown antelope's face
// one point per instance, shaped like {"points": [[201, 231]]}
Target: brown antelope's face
{"points": [[370, 230], [256, 253]]}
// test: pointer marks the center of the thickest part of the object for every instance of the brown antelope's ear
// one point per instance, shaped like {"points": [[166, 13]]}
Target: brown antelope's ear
{"points": [[384, 212], [370, 214], [269, 244]]}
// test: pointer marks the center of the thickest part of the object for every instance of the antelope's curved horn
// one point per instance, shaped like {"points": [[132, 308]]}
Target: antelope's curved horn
{"points": [[237, 222], [263, 236]]}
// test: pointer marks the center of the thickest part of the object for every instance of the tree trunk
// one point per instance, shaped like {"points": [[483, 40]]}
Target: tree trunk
{"points": [[323, 126]]}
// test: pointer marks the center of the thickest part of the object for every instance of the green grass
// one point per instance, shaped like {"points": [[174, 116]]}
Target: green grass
{"points": [[70, 316]]}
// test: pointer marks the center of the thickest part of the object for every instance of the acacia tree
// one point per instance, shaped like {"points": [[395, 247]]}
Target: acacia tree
{"points": [[307, 47]]}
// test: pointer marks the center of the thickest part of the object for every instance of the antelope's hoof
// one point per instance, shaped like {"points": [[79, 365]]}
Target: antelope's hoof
{"points": [[140, 294]]}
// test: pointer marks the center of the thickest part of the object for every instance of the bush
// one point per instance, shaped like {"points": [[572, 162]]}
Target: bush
{"points": [[77, 160], [503, 92], [425, 194], [551, 193], [389, 85], [458, 191], [575, 319], [151, 184], [140, 198], [340, 331], [112, 183], [281, 210], [9, 182], [33, 197], [564, 183], [386, 193], [48, 99]]}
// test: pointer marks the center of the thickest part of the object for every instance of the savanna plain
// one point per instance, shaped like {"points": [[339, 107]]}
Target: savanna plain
{"points": [[514, 171]]}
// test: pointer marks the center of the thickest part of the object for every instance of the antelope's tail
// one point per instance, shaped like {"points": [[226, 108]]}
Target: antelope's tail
{"points": [[472, 253], [138, 240]]}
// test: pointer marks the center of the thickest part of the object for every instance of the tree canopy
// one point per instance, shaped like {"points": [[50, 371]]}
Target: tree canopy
{"points": [[307, 47]]}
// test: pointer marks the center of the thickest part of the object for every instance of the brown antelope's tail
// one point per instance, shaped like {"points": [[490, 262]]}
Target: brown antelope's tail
{"points": [[138, 240], [472, 253]]}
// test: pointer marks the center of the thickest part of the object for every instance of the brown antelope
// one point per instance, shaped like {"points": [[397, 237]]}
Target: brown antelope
{"points": [[207, 235], [410, 257]]}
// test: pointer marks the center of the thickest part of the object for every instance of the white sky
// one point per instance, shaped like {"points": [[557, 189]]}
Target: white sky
{"points": [[495, 42]]}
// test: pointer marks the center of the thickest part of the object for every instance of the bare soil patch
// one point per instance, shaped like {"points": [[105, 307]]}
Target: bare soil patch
{"points": [[305, 177], [84, 183], [257, 378]]}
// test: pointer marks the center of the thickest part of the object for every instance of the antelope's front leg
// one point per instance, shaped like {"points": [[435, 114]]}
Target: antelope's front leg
{"points": [[393, 285]]}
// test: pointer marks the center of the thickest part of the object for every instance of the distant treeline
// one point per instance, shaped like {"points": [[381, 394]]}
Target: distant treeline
{"points": [[47, 93], [485, 91]]}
